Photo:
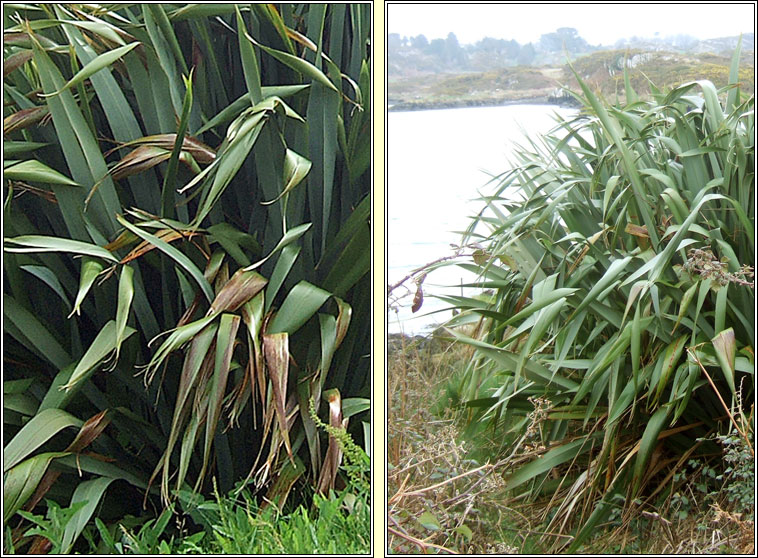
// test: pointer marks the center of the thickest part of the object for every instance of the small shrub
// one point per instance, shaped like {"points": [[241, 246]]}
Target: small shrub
{"points": [[739, 476], [51, 527]]}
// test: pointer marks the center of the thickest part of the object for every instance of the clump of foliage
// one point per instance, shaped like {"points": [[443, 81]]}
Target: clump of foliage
{"points": [[738, 477], [620, 247], [186, 253]]}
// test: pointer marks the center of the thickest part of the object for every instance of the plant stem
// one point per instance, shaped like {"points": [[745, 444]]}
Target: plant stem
{"points": [[728, 412]]}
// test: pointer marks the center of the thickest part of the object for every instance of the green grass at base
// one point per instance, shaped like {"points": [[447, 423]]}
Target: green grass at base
{"points": [[337, 523]]}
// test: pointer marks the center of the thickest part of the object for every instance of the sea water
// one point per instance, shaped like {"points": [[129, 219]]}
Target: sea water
{"points": [[438, 162]]}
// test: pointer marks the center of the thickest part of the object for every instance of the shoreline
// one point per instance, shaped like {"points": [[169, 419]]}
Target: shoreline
{"points": [[480, 103]]}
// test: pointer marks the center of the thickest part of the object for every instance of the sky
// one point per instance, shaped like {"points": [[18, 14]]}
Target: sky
{"points": [[598, 24]]}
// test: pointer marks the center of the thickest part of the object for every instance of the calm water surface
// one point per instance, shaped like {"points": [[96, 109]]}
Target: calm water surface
{"points": [[438, 162]]}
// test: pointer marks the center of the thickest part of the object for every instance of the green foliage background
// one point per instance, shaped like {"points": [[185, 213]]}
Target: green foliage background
{"points": [[186, 248]]}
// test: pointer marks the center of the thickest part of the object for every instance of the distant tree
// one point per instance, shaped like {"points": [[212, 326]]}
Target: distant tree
{"points": [[437, 48], [452, 41], [420, 42], [498, 47], [564, 37], [488, 44], [568, 33], [526, 55], [394, 42], [550, 42], [453, 51], [512, 49]]}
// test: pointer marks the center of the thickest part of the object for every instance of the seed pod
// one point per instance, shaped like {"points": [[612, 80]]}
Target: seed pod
{"points": [[418, 299]]}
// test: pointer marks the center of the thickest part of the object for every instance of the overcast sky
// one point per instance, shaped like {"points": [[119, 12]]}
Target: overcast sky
{"points": [[596, 23]]}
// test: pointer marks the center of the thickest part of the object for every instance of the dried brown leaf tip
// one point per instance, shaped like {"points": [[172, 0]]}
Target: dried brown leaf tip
{"points": [[87, 434], [641, 233], [90, 430], [23, 119], [637, 230], [24, 188], [334, 453], [139, 160], [276, 351], [418, 298], [241, 288], [166, 235], [200, 151], [15, 61]]}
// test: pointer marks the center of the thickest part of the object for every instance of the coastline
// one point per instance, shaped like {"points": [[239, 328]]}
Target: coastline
{"points": [[410, 106]]}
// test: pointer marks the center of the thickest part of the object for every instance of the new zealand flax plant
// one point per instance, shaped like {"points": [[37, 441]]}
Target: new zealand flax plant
{"points": [[620, 250], [186, 248]]}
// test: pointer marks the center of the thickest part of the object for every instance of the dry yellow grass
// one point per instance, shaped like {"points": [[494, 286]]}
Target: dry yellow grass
{"points": [[431, 478], [433, 481]]}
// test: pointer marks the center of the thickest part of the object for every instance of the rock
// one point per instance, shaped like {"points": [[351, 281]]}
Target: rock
{"points": [[562, 98]]}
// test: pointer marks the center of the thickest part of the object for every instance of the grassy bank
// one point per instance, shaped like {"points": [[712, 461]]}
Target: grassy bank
{"points": [[446, 496], [498, 87]]}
